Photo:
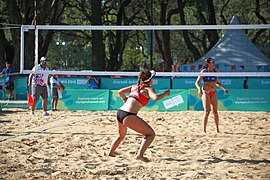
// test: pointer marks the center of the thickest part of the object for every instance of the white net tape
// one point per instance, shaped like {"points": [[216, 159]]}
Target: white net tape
{"points": [[25, 28], [159, 74]]}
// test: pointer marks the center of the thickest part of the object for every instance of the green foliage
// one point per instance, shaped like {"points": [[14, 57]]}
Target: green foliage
{"points": [[66, 54], [131, 50]]}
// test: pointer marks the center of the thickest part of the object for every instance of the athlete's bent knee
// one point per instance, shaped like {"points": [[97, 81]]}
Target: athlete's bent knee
{"points": [[152, 134]]}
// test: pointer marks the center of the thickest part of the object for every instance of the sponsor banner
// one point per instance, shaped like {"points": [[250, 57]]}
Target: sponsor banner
{"points": [[81, 99], [74, 83], [184, 83], [3, 93], [232, 82], [14, 104], [20, 88], [118, 83], [2, 82], [259, 83], [177, 101], [189, 82], [236, 100]]}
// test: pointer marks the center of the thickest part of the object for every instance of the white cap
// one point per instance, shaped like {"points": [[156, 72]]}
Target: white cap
{"points": [[153, 73]]}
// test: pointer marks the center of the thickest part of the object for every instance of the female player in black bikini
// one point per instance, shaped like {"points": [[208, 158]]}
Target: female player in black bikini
{"points": [[140, 95], [208, 92]]}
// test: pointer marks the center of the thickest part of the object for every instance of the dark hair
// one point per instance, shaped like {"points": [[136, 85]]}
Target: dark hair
{"points": [[207, 60], [8, 62], [144, 75], [205, 66]]}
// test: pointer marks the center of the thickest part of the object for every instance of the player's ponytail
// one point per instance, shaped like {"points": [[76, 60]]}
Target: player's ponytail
{"points": [[140, 76]]}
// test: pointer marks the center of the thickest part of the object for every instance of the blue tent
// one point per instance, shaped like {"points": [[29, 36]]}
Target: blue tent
{"points": [[234, 52]]}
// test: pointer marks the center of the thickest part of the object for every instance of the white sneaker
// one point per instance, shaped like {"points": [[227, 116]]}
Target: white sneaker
{"points": [[32, 113], [45, 113]]}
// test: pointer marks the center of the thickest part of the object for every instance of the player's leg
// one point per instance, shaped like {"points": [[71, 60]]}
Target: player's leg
{"points": [[214, 107], [122, 130], [207, 108], [140, 126]]}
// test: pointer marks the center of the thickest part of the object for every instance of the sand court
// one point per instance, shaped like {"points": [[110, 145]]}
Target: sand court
{"points": [[74, 144]]}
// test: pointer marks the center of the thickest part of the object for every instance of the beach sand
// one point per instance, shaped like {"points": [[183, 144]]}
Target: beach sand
{"points": [[74, 144]]}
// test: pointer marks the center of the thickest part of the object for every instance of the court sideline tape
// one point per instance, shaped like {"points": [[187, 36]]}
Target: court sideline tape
{"points": [[45, 129]]}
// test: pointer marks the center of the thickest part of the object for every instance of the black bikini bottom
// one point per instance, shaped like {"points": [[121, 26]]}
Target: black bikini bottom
{"points": [[121, 115]]}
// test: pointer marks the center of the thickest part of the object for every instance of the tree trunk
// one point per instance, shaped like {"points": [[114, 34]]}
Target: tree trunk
{"points": [[6, 50], [260, 17], [212, 34], [22, 13], [2, 47], [98, 49], [167, 51], [164, 47], [116, 40], [14, 17], [188, 42]]}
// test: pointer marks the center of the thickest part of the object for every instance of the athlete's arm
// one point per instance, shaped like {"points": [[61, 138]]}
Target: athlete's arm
{"points": [[152, 94], [30, 80], [124, 91], [197, 83], [221, 87]]}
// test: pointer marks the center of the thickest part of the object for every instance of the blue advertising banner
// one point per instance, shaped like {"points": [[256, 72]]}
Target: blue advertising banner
{"points": [[184, 83], [3, 95], [189, 82], [74, 83], [259, 83], [2, 82], [118, 83], [20, 88], [177, 101], [236, 100], [232, 82], [81, 99]]}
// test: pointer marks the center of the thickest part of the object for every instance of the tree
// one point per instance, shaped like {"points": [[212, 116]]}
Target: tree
{"points": [[22, 12], [189, 44], [98, 52], [123, 49], [117, 40]]}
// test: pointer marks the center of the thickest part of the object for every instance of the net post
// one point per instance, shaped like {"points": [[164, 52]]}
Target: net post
{"points": [[22, 49], [36, 46], [36, 33]]}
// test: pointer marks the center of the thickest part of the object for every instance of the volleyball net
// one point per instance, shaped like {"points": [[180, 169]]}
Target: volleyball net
{"points": [[70, 59], [238, 63]]}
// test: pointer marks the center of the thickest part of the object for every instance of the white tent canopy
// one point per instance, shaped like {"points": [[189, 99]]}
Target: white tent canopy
{"points": [[234, 51]]}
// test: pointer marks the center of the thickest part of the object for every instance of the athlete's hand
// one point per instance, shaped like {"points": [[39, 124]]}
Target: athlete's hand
{"points": [[226, 91], [199, 93], [125, 99], [167, 93]]}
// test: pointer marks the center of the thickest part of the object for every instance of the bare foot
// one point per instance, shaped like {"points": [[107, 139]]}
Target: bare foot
{"points": [[114, 154], [144, 159]]}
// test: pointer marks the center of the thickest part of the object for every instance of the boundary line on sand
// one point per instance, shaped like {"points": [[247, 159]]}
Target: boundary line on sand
{"points": [[43, 130]]}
